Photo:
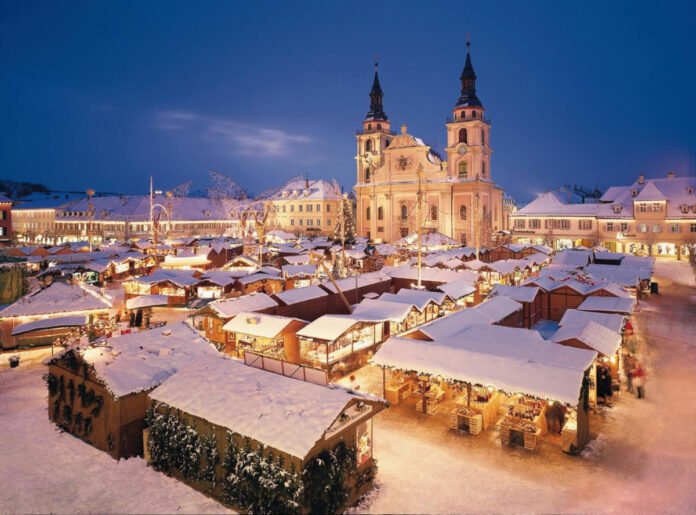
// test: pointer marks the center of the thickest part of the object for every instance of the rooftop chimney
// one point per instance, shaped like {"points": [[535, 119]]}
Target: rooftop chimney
{"points": [[671, 175], [641, 179]]}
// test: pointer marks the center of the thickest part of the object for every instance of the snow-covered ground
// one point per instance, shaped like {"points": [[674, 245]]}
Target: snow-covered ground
{"points": [[44, 470], [643, 461]]}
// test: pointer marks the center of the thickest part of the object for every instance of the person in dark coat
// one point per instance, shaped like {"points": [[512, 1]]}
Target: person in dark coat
{"points": [[605, 379]]}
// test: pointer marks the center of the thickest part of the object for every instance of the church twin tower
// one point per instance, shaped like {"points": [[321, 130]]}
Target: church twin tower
{"points": [[463, 202]]}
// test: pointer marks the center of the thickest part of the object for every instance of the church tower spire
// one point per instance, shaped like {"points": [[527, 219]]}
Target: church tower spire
{"points": [[376, 112], [468, 96]]}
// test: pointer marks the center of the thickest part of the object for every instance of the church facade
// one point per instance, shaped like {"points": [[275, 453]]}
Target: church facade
{"points": [[459, 197]]}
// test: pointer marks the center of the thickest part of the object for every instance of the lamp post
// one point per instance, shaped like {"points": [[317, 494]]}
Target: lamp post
{"points": [[90, 215], [419, 222]]}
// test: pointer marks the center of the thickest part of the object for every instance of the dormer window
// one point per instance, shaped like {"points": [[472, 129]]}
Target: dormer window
{"points": [[689, 190], [617, 209], [207, 213], [634, 192], [684, 208], [693, 208]]}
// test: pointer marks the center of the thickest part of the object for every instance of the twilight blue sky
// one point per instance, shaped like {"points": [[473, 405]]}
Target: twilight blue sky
{"points": [[103, 94]]}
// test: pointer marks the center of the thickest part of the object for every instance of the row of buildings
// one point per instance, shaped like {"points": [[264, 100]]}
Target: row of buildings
{"points": [[401, 183]]}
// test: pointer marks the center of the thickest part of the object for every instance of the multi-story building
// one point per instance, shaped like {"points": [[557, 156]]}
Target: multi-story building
{"points": [[125, 218], [305, 207], [460, 198], [655, 217], [5, 221]]}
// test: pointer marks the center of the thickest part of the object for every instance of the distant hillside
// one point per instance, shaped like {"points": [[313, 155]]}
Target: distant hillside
{"points": [[16, 190]]}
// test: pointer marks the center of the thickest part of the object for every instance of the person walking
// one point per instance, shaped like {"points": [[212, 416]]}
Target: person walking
{"points": [[629, 364], [639, 376]]}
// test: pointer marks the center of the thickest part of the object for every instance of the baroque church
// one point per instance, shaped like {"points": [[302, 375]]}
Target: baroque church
{"points": [[459, 197]]}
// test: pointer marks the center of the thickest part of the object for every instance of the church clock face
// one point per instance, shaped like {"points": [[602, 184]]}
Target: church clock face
{"points": [[462, 150]]}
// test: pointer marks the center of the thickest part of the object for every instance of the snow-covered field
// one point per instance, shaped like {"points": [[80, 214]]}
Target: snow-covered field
{"points": [[644, 461], [44, 470]]}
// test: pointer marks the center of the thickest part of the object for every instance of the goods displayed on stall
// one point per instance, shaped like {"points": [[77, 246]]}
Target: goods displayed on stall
{"points": [[399, 387], [474, 414], [524, 423], [432, 393]]}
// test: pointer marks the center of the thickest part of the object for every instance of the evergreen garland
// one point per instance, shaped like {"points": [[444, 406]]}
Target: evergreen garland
{"points": [[52, 383], [174, 445], [326, 487], [257, 482]]}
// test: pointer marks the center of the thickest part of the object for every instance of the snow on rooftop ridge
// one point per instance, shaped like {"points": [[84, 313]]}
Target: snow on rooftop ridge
{"points": [[592, 334], [227, 308], [295, 295]]}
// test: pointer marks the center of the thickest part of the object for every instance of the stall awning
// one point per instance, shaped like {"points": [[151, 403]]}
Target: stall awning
{"points": [[621, 305], [511, 360], [50, 323], [146, 301]]}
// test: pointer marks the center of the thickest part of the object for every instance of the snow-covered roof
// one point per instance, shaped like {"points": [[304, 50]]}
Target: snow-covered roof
{"points": [[50, 323], [309, 190], [227, 308], [252, 278], [650, 193], [516, 293], [299, 270], [592, 334], [621, 305], [553, 203], [428, 274], [57, 298], [359, 281], [577, 258], [181, 278], [140, 361], [258, 324], [220, 277], [381, 310], [428, 240], [286, 414], [295, 295], [457, 289], [302, 259], [185, 259], [146, 301], [418, 298], [627, 276], [576, 317], [328, 327], [511, 360], [489, 312]]}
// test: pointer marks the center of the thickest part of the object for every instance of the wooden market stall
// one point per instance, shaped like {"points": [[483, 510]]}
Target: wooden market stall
{"points": [[268, 335], [486, 367], [98, 392], [219, 404]]}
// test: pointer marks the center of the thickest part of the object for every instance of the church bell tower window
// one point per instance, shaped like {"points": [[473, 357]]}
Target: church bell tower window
{"points": [[462, 136], [463, 173]]}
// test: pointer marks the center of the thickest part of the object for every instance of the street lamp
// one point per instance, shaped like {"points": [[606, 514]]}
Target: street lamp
{"points": [[90, 214]]}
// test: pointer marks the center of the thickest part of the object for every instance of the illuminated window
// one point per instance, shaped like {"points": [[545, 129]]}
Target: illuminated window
{"points": [[363, 442], [463, 173]]}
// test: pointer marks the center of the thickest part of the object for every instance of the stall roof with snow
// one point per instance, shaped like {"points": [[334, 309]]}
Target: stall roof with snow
{"points": [[286, 414], [140, 361], [418, 298], [382, 310], [609, 320], [517, 293], [58, 298], [514, 362], [146, 301], [592, 334], [621, 305], [50, 323], [458, 289], [328, 327], [259, 324], [295, 295], [227, 308]]}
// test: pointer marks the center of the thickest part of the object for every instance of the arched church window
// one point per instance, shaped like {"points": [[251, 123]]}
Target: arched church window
{"points": [[462, 136], [462, 212], [367, 213], [433, 213], [462, 115], [483, 169], [368, 145], [367, 174], [463, 172], [369, 126], [483, 137], [380, 213], [473, 114], [404, 212], [379, 126]]}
